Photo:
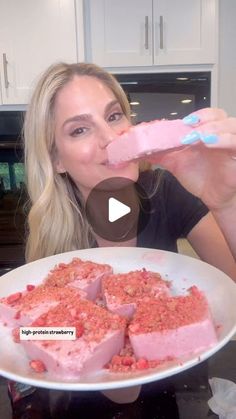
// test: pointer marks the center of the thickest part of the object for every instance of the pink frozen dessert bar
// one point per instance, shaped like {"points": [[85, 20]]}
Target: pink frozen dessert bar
{"points": [[22, 308], [85, 275], [99, 336], [122, 292], [147, 138], [172, 327]]}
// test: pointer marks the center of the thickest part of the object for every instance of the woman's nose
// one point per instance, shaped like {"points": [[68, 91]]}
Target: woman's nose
{"points": [[106, 135]]}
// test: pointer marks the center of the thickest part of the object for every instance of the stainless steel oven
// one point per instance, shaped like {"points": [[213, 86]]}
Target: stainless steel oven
{"points": [[166, 95], [12, 190]]}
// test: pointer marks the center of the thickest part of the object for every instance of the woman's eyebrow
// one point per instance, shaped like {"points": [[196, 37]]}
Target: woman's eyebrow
{"points": [[110, 105], [78, 118], [88, 117]]}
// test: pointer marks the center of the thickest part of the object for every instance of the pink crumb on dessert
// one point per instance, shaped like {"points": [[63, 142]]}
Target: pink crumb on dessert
{"points": [[122, 292], [99, 336], [37, 365], [78, 273], [22, 308], [173, 326], [30, 287], [126, 361], [16, 334], [13, 298]]}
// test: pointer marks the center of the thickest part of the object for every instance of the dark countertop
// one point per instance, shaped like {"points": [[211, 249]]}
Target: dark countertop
{"points": [[183, 396]]}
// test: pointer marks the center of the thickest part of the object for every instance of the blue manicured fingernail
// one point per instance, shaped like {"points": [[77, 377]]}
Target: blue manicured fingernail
{"points": [[209, 138], [191, 119], [191, 138]]}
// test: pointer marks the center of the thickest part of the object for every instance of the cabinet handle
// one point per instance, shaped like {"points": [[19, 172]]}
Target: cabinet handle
{"points": [[5, 62], [161, 32], [146, 44]]}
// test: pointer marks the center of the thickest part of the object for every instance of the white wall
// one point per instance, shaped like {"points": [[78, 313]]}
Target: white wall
{"points": [[227, 56]]}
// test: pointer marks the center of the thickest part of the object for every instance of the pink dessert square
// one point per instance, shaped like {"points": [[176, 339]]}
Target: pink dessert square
{"points": [[22, 308], [122, 292], [85, 275], [172, 327], [100, 335]]}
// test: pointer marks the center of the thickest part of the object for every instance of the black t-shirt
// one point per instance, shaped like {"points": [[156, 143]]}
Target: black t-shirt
{"points": [[172, 214]]}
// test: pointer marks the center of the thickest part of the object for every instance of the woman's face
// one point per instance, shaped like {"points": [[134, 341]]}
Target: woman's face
{"points": [[87, 118]]}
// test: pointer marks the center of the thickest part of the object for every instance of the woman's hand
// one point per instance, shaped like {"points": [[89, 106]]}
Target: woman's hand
{"points": [[207, 166]]}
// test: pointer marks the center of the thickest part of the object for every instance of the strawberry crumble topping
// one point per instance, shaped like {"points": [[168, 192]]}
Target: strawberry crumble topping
{"points": [[22, 308], [126, 361], [169, 313], [85, 275], [122, 292], [91, 321], [172, 326], [77, 269]]}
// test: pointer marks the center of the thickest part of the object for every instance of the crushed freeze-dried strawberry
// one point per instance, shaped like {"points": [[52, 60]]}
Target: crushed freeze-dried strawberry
{"points": [[127, 364], [43, 294], [40, 321], [13, 298], [17, 315], [75, 270], [37, 365], [16, 334], [128, 360], [79, 330], [91, 321], [169, 312], [30, 287], [133, 286], [130, 364], [142, 364]]}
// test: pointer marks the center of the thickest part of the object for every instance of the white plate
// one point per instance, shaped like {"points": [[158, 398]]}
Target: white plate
{"points": [[184, 271]]}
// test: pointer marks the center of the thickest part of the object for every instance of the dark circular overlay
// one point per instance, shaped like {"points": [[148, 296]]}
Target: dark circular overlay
{"points": [[109, 200]]}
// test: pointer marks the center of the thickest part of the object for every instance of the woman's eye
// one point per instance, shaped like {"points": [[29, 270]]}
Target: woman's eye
{"points": [[78, 131], [116, 116]]}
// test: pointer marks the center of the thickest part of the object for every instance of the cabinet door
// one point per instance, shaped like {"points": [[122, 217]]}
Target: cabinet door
{"points": [[119, 32], [33, 35], [184, 31]]}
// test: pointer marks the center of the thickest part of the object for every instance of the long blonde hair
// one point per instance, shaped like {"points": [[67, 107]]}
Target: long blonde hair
{"points": [[56, 221]]}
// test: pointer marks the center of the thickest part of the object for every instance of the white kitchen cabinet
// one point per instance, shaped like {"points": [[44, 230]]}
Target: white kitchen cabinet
{"points": [[184, 31], [33, 35], [119, 32], [151, 32]]}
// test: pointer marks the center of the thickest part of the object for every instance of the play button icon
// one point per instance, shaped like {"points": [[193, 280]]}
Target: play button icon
{"points": [[113, 208], [116, 209]]}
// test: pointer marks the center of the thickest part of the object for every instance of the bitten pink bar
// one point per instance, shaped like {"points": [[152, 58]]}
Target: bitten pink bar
{"points": [[147, 138]]}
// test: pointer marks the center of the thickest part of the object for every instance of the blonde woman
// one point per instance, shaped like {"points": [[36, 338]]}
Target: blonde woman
{"points": [[76, 110]]}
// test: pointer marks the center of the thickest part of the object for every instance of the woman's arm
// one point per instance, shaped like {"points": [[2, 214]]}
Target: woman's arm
{"points": [[226, 219], [207, 169], [223, 179], [209, 243]]}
